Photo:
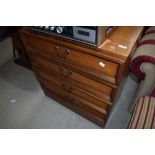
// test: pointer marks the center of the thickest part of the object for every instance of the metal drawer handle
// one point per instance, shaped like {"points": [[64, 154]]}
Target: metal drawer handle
{"points": [[60, 68], [101, 64], [70, 89], [68, 98], [66, 52], [56, 48], [65, 74], [68, 74]]}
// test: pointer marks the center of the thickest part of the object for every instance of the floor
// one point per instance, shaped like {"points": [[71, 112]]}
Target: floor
{"points": [[24, 106]]}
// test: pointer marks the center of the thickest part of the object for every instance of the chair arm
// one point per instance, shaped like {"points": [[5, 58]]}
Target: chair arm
{"points": [[143, 66], [145, 54]]}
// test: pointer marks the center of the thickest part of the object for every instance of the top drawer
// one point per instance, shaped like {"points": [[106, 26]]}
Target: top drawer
{"points": [[43, 47], [98, 67]]}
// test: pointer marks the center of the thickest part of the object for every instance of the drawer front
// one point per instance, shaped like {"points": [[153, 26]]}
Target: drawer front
{"points": [[54, 89], [98, 89], [43, 47], [98, 67], [77, 107], [79, 95], [46, 65], [72, 102], [74, 94]]}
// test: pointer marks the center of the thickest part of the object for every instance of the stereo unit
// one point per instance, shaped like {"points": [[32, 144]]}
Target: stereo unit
{"points": [[92, 35]]}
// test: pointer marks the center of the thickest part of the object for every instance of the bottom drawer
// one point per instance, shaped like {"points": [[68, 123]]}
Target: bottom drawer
{"points": [[78, 108], [71, 101]]}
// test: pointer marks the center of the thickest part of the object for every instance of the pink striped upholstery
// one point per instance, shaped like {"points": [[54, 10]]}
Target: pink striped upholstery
{"points": [[144, 56], [144, 114], [143, 66], [150, 30]]}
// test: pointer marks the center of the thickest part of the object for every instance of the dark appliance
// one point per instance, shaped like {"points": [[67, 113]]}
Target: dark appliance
{"points": [[92, 35]]}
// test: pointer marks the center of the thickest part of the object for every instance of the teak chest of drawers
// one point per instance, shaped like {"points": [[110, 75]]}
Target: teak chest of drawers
{"points": [[86, 79]]}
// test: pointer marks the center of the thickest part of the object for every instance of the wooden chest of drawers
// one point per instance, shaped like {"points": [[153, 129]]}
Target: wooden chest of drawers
{"points": [[83, 78]]}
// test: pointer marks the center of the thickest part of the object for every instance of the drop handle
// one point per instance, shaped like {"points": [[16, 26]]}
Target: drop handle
{"points": [[68, 98], [66, 53], [56, 48], [60, 68], [68, 74], [66, 88], [70, 89]]}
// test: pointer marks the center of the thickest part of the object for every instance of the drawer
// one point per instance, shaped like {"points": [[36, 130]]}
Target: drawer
{"points": [[77, 107], [55, 90], [45, 65], [75, 104], [99, 89], [79, 95], [98, 67], [75, 94], [42, 47]]}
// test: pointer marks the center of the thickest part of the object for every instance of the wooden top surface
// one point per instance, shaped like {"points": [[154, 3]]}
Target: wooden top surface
{"points": [[117, 47], [122, 40]]}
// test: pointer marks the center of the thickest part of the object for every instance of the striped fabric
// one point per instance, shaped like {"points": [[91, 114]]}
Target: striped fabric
{"points": [[144, 114], [145, 55], [150, 30], [147, 42]]}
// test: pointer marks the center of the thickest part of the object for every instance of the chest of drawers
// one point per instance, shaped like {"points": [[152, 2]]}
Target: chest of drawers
{"points": [[83, 78]]}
